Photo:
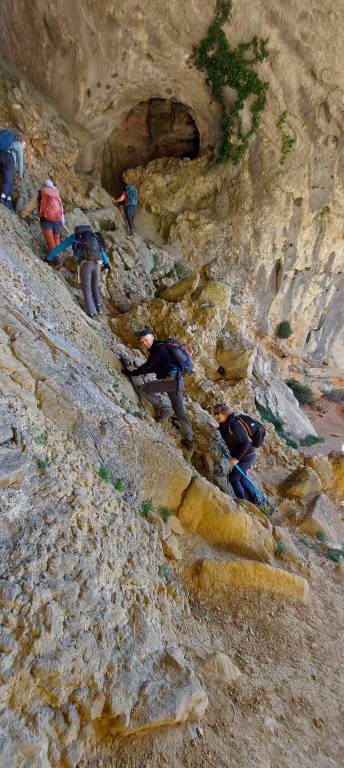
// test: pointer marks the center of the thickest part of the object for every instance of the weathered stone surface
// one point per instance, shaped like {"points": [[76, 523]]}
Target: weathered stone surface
{"points": [[182, 288], [237, 359], [13, 467], [323, 518], [322, 466], [221, 667], [302, 482], [174, 525], [172, 548], [209, 512], [254, 576], [337, 461], [286, 549]]}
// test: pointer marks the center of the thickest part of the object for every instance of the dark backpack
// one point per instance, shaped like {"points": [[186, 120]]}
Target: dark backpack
{"points": [[87, 246], [7, 138], [133, 197], [253, 428], [181, 355]]}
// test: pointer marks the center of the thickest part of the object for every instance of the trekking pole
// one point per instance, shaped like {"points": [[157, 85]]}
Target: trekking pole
{"points": [[135, 388]]}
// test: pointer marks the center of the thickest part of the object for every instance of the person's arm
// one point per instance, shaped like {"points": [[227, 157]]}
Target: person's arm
{"points": [[121, 198], [18, 148], [242, 439], [33, 203], [105, 258], [62, 247], [149, 366]]}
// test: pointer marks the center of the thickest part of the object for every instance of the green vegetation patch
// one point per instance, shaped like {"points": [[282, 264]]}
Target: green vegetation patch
{"points": [[233, 68], [277, 423], [42, 465], [105, 474], [311, 440], [283, 330], [146, 507], [302, 392]]}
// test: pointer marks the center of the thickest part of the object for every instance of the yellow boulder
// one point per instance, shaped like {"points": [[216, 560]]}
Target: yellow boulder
{"points": [[260, 577]]}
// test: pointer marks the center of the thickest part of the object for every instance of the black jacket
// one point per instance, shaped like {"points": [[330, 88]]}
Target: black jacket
{"points": [[236, 438], [160, 362]]}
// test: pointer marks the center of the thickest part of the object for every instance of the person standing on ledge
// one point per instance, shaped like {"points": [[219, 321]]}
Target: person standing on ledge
{"points": [[11, 159], [235, 431], [169, 380], [130, 199], [51, 213]]}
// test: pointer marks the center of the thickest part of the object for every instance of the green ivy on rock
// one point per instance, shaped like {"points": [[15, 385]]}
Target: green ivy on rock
{"points": [[234, 69]]}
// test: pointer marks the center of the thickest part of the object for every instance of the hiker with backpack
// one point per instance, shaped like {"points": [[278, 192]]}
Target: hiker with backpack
{"points": [[90, 254], [242, 434], [51, 214], [11, 159], [130, 199], [169, 360]]}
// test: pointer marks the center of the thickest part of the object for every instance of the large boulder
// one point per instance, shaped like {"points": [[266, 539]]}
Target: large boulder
{"points": [[323, 518], [259, 577], [322, 466], [184, 287], [302, 482], [216, 517]]}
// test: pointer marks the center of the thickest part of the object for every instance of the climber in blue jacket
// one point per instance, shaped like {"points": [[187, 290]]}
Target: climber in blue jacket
{"points": [[89, 251]]}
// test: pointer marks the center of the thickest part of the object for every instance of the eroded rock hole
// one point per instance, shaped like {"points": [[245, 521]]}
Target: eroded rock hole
{"points": [[153, 129]]}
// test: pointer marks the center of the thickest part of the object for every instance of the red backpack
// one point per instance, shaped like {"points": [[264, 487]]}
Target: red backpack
{"points": [[51, 207]]}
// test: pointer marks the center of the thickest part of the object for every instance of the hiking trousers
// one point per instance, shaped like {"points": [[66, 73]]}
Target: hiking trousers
{"points": [[7, 174], [51, 239], [175, 391], [89, 274], [130, 211], [242, 487]]}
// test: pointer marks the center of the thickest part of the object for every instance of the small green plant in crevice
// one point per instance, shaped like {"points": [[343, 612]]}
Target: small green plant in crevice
{"points": [[165, 573], [281, 547], [311, 440], [335, 395], [146, 507], [181, 270], [283, 330], [41, 439], [234, 69], [42, 465], [267, 415], [335, 554], [302, 392], [165, 513], [320, 536], [105, 474], [287, 141]]}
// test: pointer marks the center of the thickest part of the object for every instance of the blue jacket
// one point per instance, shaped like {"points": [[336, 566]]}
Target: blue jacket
{"points": [[71, 242], [16, 150]]}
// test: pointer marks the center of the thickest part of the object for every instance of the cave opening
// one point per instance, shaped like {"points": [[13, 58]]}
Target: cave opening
{"points": [[152, 129]]}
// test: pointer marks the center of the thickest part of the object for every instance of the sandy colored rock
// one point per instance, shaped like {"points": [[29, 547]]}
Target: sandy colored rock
{"points": [[172, 548], [302, 482], [238, 364], [253, 576], [323, 518], [286, 549], [174, 525], [322, 466], [217, 518], [181, 289], [221, 667], [337, 462], [13, 467]]}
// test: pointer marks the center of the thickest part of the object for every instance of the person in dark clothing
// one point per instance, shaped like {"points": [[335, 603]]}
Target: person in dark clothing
{"points": [[130, 200], [11, 159], [168, 380], [241, 450], [89, 251]]}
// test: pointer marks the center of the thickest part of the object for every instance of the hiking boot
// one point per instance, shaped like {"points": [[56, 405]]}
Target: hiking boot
{"points": [[99, 309], [189, 444]]}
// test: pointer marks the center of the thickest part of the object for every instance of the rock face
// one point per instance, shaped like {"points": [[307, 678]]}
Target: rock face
{"points": [[323, 518], [254, 576], [301, 483]]}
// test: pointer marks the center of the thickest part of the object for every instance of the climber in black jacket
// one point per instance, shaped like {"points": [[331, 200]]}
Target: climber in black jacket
{"points": [[161, 362], [241, 450]]}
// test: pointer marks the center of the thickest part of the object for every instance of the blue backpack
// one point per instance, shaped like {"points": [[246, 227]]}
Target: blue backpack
{"points": [[181, 355], [7, 138], [133, 197]]}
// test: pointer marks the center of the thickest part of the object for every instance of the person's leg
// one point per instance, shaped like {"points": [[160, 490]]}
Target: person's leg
{"points": [[86, 280], [49, 238], [150, 391], [235, 479], [250, 493], [95, 286], [7, 179], [57, 233], [176, 396], [129, 215]]}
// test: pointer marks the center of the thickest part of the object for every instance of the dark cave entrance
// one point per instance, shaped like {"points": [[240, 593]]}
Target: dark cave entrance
{"points": [[152, 129]]}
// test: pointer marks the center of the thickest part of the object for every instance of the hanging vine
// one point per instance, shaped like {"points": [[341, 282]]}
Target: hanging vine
{"points": [[233, 68]]}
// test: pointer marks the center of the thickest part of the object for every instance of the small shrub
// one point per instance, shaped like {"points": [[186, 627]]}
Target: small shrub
{"points": [[118, 485], [281, 548], [165, 513], [277, 423], [41, 439], [302, 392], [105, 474], [335, 395], [289, 441], [42, 465], [181, 270], [311, 440], [165, 573], [320, 536], [283, 330], [146, 507]]}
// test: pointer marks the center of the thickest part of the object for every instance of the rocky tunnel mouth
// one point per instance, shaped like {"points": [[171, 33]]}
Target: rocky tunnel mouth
{"points": [[152, 129]]}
